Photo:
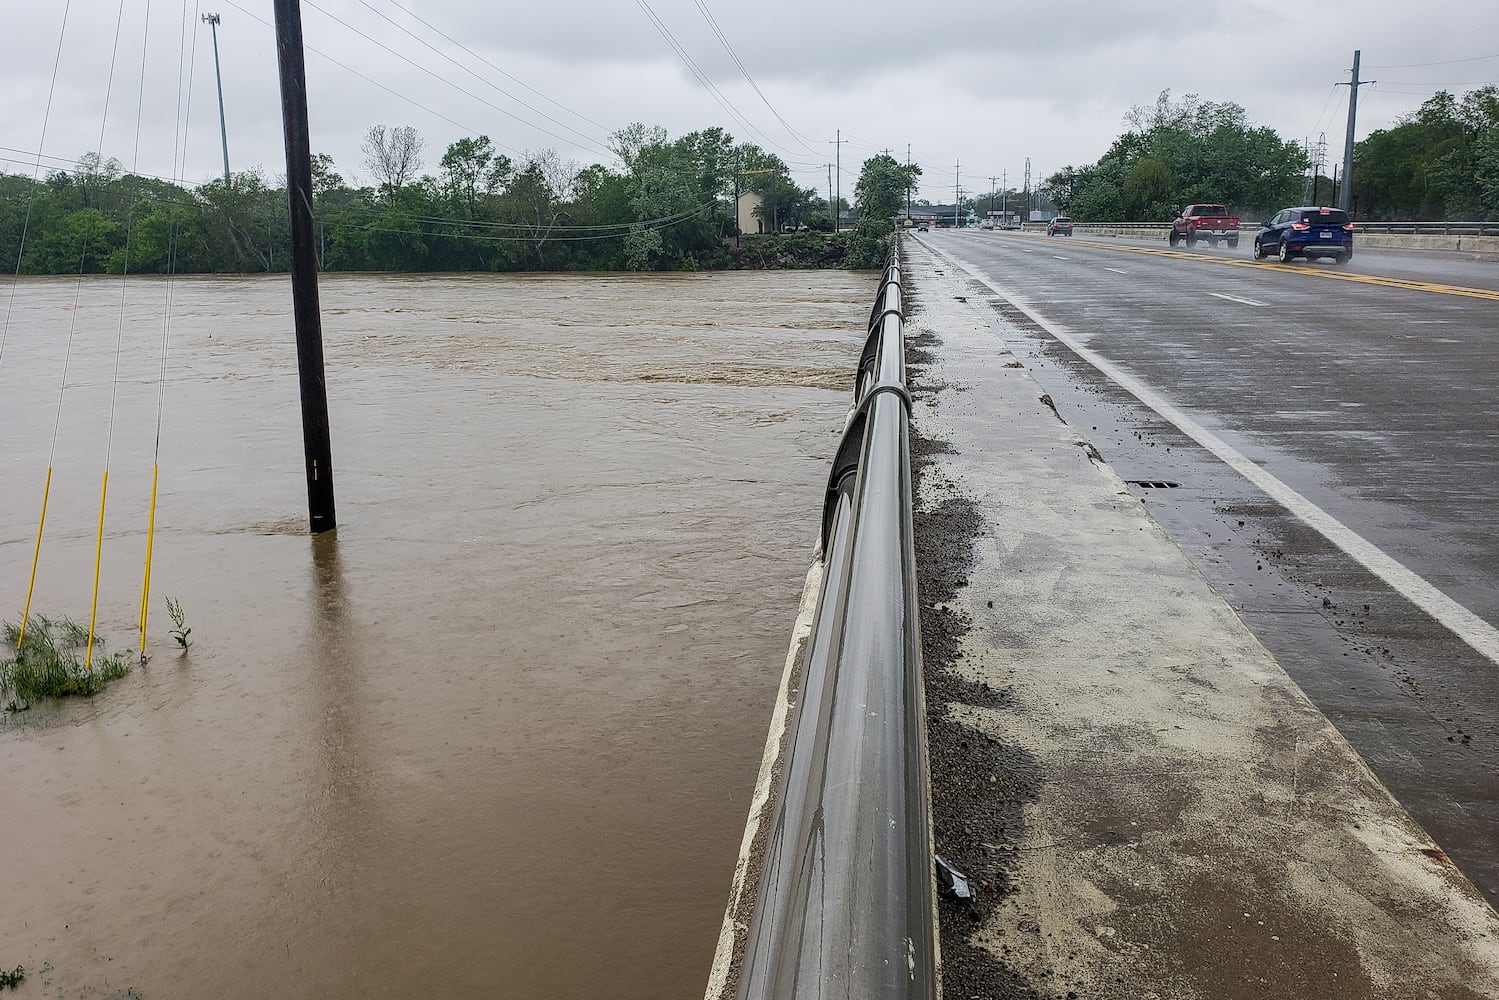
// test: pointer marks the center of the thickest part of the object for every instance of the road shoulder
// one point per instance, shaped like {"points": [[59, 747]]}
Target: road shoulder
{"points": [[1146, 802]]}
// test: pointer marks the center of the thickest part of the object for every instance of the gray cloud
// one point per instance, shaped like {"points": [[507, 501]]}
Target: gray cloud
{"points": [[979, 81]]}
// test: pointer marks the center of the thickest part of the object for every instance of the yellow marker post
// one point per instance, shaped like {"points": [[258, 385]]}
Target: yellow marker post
{"points": [[35, 555], [93, 615], [146, 580]]}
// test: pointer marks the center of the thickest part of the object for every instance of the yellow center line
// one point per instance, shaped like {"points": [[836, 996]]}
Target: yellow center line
{"points": [[1365, 279]]}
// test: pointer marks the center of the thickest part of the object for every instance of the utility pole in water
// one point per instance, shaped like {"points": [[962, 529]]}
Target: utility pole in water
{"points": [[213, 23], [316, 440]]}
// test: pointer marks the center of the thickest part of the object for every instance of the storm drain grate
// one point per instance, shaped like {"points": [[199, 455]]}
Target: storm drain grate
{"points": [[1153, 484]]}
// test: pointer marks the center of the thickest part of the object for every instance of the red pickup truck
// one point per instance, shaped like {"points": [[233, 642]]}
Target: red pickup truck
{"points": [[1205, 222]]}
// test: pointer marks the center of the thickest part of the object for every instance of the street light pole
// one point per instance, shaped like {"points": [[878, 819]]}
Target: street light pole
{"points": [[212, 21]]}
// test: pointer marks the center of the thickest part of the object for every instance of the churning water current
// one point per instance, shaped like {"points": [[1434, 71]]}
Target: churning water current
{"points": [[494, 737]]}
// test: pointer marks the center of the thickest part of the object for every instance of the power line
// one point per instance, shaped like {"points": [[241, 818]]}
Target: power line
{"points": [[712, 23], [1443, 84], [31, 197], [375, 83], [449, 38], [471, 73], [462, 90], [1444, 62], [702, 77]]}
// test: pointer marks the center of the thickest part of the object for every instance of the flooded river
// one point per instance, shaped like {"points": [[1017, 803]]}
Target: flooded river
{"points": [[496, 736]]}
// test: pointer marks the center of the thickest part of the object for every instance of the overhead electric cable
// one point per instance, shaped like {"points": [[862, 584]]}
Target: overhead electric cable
{"points": [[467, 93], [702, 77], [546, 237], [375, 83], [480, 224], [5, 332], [93, 615], [182, 121], [476, 76], [713, 23], [1444, 62], [10, 302]]}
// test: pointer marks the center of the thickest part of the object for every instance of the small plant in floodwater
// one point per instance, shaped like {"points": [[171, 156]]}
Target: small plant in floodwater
{"points": [[49, 662], [179, 619], [13, 978]]}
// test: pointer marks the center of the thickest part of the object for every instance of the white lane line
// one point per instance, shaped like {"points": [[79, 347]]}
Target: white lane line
{"points": [[1461, 622], [1027, 251], [1116, 270], [1055, 257], [1235, 298]]}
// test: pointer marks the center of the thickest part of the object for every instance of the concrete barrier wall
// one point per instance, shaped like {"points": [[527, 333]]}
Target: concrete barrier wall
{"points": [[1402, 241], [1485, 245]]}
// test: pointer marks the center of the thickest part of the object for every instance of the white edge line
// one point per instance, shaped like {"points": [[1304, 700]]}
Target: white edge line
{"points": [[1235, 298], [719, 973], [1467, 626]]}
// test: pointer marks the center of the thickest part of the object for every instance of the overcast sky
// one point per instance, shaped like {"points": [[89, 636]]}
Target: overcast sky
{"points": [[565, 73]]}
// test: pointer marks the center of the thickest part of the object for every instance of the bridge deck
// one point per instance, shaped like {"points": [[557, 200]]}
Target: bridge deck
{"points": [[1145, 801]]}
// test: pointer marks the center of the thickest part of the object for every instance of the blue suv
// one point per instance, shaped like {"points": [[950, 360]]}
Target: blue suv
{"points": [[1308, 231]]}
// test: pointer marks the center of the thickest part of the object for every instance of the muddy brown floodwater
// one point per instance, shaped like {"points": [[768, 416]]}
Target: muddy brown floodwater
{"points": [[496, 736]]}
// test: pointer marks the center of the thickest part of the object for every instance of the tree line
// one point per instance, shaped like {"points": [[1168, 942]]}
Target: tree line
{"points": [[668, 205], [1440, 162]]}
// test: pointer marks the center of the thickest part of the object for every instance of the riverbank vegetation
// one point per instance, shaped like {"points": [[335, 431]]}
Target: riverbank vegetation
{"points": [[48, 662], [666, 205], [1440, 162]]}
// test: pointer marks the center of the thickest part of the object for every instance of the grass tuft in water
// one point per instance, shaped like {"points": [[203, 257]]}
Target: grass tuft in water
{"points": [[181, 629], [49, 662]]}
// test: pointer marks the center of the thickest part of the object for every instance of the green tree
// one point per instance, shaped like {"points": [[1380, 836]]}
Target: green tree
{"points": [[879, 194], [79, 242], [1433, 163], [1177, 152], [473, 171]]}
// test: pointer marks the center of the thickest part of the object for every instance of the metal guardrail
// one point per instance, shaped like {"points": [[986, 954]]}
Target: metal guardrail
{"points": [[845, 907], [1429, 228]]}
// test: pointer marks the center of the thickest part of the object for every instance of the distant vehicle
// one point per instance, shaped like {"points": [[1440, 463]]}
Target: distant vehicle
{"points": [[1307, 231], [1205, 222], [1060, 226], [987, 224], [921, 227]]}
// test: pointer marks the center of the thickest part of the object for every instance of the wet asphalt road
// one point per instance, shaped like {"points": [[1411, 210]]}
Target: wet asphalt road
{"points": [[1378, 402]]}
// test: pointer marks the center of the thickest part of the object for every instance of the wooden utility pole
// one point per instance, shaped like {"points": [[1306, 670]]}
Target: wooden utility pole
{"points": [[316, 440]]}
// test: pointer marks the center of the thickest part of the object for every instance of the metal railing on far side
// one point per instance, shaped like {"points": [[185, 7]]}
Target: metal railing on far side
{"points": [[845, 906]]}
